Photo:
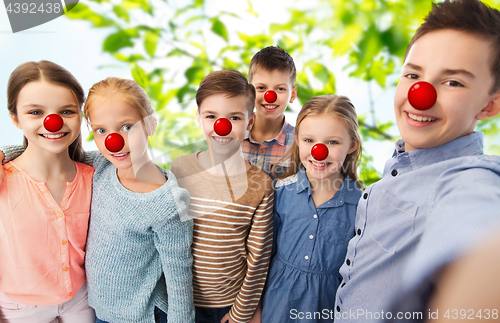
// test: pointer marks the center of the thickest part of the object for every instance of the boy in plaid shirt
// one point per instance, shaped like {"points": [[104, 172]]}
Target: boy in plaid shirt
{"points": [[272, 73]]}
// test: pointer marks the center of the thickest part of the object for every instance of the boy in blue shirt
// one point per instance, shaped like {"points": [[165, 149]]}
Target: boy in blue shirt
{"points": [[439, 192]]}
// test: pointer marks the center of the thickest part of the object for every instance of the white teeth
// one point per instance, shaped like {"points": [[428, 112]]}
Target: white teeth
{"points": [[120, 155], [319, 164], [419, 118], [59, 135], [222, 140], [270, 107]]}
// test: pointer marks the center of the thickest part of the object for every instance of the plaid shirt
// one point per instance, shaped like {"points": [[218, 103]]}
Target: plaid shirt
{"points": [[266, 155]]}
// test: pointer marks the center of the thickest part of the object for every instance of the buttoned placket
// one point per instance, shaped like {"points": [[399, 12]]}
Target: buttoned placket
{"points": [[60, 219]]}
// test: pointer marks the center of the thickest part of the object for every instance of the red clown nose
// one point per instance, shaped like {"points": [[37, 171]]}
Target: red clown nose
{"points": [[114, 142], [422, 95], [53, 122], [222, 126], [319, 151], [270, 96]]}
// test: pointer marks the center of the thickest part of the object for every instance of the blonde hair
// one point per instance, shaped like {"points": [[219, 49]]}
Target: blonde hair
{"points": [[118, 88], [337, 106]]}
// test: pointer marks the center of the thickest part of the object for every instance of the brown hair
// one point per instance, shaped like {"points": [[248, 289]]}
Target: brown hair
{"points": [[229, 82], [52, 73], [129, 91], [469, 16], [337, 106], [273, 58]]}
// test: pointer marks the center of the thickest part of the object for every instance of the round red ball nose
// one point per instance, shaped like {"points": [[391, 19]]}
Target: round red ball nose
{"points": [[422, 95], [270, 96], [114, 142], [319, 151], [222, 127], [53, 122]]}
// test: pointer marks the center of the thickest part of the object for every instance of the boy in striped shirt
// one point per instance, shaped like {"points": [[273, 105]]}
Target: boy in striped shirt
{"points": [[231, 205]]}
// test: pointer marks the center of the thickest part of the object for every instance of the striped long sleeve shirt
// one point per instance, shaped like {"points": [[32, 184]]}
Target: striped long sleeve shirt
{"points": [[232, 237]]}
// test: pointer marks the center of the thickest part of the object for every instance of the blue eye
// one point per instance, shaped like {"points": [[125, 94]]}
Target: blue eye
{"points": [[281, 89], [68, 112], [100, 131], [235, 118], [127, 127], [308, 140], [333, 142], [35, 112]]}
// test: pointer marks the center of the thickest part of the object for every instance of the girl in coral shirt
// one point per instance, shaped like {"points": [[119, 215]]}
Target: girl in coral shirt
{"points": [[45, 201]]}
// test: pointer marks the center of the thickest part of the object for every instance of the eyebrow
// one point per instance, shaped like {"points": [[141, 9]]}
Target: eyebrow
{"points": [[261, 83], [447, 71], [231, 113], [34, 105]]}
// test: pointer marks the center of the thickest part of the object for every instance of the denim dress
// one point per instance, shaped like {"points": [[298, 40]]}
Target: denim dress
{"points": [[310, 246]]}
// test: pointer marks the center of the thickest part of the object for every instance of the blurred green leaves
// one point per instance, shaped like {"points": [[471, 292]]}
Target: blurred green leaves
{"points": [[170, 46]]}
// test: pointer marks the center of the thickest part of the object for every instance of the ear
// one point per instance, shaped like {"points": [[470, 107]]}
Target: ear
{"points": [[198, 118], [15, 121], [492, 109], [251, 122], [354, 147], [294, 94]]}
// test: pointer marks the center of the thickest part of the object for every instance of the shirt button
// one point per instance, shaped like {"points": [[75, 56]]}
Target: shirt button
{"points": [[261, 151], [59, 214], [66, 268], [359, 231], [365, 196], [306, 257], [315, 216], [343, 284], [394, 172], [70, 294], [311, 236], [338, 308], [348, 262], [65, 242]]}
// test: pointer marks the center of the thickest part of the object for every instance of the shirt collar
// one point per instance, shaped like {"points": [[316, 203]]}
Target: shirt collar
{"points": [[280, 138], [464, 146]]}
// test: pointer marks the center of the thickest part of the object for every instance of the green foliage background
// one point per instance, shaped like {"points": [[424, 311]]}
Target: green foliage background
{"points": [[157, 39]]}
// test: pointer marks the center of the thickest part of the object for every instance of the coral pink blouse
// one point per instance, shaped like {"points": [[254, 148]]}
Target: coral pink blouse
{"points": [[42, 244]]}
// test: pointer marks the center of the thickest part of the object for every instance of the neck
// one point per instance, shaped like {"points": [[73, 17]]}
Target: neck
{"points": [[330, 184], [144, 171], [266, 129], [223, 165], [42, 165]]}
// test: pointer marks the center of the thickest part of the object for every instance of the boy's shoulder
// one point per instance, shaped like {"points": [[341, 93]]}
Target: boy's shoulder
{"points": [[257, 178], [184, 165]]}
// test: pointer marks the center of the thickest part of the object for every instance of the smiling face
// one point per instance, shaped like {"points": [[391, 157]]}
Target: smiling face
{"points": [[116, 116], [279, 82], [460, 73], [235, 110], [332, 132], [36, 101]]}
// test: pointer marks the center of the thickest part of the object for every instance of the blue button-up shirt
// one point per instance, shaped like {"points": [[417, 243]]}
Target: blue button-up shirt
{"points": [[430, 205]]}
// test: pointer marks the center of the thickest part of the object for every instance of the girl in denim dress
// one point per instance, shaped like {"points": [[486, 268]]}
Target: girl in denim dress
{"points": [[315, 209]]}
